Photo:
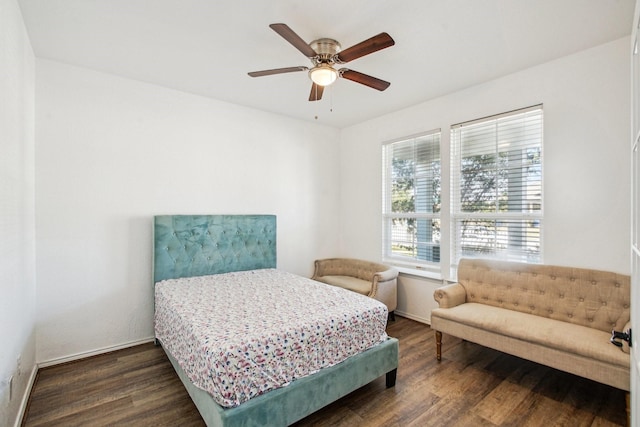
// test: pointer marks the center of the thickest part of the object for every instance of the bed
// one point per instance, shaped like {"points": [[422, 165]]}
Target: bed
{"points": [[201, 254]]}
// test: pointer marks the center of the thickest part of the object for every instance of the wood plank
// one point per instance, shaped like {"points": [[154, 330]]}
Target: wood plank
{"points": [[471, 386]]}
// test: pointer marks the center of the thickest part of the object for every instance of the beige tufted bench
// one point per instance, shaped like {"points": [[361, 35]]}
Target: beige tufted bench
{"points": [[375, 280], [561, 317]]}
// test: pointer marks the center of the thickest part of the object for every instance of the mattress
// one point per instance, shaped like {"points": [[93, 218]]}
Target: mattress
{"points": [[238, 335]]}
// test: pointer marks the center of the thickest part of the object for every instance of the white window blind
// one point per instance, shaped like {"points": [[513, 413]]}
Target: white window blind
{"points": [[411, 200], [496, 187]]}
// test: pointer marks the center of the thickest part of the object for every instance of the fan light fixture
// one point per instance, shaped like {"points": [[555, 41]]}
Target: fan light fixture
{"points": [[323, 74]]}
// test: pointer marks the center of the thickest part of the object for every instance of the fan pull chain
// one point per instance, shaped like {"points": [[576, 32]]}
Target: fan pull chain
{"points": [[317, 103], [331, 99]]}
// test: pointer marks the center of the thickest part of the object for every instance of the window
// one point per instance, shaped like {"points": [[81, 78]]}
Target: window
{"points": [[492, 204], [411, 200], [496, 183]]}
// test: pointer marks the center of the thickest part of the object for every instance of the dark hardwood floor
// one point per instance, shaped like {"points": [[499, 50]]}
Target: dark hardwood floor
{"points": [[472, 386]]}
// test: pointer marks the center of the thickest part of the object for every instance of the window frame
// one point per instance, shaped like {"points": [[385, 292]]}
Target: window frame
{"points": [[446, 269], [531, 219], [388, 215]]}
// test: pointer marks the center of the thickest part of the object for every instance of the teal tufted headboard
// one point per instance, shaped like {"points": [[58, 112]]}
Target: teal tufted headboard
{"points": [[198, 245]]}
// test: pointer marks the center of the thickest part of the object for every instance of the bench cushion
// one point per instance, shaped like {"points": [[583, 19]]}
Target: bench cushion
{"points": [[352, 283], [545, 332]]}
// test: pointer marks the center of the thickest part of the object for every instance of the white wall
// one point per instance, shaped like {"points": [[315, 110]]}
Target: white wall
{"points": [[112, 152], [17, 250], [586, 161]]}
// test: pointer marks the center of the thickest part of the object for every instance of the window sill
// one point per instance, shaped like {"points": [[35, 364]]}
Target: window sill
{"points": [[435, 275]]}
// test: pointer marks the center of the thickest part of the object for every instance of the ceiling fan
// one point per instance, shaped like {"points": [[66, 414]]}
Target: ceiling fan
{"points": [[324, 53]]}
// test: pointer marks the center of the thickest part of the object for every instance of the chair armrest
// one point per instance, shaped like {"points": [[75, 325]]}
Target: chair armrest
{"points": [[384, 276], [324, 267], [450, 295]]}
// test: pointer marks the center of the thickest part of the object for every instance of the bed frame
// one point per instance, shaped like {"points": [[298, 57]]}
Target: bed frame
{"points": [[196, 245]]}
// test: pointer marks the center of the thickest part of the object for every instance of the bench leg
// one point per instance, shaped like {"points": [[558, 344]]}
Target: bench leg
{"points": [[438, 345]]}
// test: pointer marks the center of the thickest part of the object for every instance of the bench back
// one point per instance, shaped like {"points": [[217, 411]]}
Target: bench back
{"points": [[358, 268], [593, 298]]}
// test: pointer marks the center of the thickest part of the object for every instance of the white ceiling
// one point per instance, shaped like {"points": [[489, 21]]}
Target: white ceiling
{"points": [[206, 47]]}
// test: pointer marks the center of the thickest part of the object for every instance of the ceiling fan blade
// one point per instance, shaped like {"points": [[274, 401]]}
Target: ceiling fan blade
{"points": [[374, 44], [276, 71], [316, 92], [364, 79], [289, 35]]}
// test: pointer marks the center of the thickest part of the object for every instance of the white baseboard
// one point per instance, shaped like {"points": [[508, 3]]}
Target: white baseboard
{"points": [[413, 317], [25, 397], [83, 355]]}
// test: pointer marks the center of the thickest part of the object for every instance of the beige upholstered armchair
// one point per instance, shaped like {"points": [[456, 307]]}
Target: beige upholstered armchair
{"points": [[375, 280]]}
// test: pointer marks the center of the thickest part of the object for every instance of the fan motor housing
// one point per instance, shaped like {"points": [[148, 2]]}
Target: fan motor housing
{"points": [[326, 49]]}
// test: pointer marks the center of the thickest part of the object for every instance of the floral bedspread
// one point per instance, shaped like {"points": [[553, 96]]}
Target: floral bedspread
{"points": [[238, 335]]}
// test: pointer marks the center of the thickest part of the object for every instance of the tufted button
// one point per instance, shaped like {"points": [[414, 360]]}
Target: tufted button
{"points": [[561, 295], [499, 301], [617, 285], [581, 299], [604, 303], [542, 292], [570, 316], [593, 282], [550, 311], [553, 277], [590, 319], [626, 306], [508, 286], [532, 307], [572, 279], [515, 304]]}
